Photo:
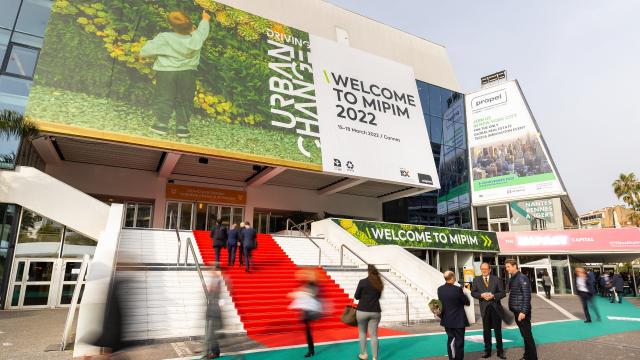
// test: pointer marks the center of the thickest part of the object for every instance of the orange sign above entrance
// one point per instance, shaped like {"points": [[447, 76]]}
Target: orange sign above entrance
{"points": [[203, 194]]}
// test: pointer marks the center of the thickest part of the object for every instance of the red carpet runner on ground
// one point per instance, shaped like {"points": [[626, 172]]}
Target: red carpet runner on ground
{"points": [[261, 296]]}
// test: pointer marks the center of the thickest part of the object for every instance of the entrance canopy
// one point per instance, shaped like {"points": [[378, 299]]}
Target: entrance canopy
{"points": [[588, 245]]}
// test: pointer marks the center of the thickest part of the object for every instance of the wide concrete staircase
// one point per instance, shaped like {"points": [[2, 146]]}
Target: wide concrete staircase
{"points": [[162, 300], [303, 252]]}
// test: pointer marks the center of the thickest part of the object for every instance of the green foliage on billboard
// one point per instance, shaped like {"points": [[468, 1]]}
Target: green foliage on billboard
{"points": [[94, 78]]}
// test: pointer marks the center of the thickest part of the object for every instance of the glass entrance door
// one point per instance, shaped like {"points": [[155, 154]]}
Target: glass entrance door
{"points": [[33, 281], [68, 282], [181, 213]]}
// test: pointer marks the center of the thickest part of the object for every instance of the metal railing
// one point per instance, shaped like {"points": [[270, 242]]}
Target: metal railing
{"points": [[406, 296], [299, 226], [308, 238], [188, 247], [177, 236]]}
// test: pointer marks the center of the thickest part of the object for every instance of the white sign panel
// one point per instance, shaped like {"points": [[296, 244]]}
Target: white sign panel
{"points": [[508, 160], [371, 121]]}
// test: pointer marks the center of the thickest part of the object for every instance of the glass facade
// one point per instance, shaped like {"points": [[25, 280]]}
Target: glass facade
{"points": [[22, 25], [450, 206]]}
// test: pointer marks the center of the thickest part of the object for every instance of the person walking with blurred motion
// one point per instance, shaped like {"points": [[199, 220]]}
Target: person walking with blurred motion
{"points": [[546, 284], [249, 243], [617, 288], [489, 291], [520, 305], [213, 315], [111, 338], [368, 312], [307, 299], [453, 317], [232, 244], [219, 237], [586, 292], [240, 242]]}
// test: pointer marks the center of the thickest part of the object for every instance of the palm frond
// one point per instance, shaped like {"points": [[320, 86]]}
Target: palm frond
{"points": [[13, 124]]}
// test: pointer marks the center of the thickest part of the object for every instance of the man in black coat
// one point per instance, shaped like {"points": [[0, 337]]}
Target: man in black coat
{"points": [[232, 244], [240, 242], [249, 243], [617, 287], [488, 290], [219, 238], [453, 317], [520, 305]]}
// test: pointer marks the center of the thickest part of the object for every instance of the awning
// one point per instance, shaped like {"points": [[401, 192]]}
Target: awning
{"points": [[612, 242]]}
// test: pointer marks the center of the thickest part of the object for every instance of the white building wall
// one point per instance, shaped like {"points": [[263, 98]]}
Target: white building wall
{"points": [[429, 61]]}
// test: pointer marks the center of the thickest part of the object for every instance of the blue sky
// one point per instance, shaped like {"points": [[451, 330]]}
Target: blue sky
{"points": [[577, 61]]}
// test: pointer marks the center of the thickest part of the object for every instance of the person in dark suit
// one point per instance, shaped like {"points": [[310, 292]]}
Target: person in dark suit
{"points": [[240, 242], [219, 237], [488, 290], [617, 287], [520, 305], [232, 244], [453, 317], [249, 243]]}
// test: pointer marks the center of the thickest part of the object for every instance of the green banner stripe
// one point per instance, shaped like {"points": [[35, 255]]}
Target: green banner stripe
{"points": [[510, 180]]}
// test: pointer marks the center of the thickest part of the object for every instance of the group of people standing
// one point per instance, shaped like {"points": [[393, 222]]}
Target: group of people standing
{"points": [[239, 237], [489, 291]]}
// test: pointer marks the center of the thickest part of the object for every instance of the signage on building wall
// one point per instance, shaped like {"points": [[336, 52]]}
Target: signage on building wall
{"points": [[507, 157], [524, 212], [405, 235], [240, 86], [204, 194], [574, 241], [454, 186]]}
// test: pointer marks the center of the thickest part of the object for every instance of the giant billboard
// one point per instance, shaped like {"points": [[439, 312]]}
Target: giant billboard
{"points": [[202, 77], [507, 157]]}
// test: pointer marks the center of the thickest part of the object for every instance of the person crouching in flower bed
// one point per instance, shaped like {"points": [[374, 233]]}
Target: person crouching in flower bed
{"points": [[177, 58]]}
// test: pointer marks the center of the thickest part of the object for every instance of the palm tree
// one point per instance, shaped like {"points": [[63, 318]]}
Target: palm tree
{"points": [[13, 124], [627, 187]]}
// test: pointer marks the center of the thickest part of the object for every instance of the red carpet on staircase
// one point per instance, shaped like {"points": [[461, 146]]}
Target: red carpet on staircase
{"points": [[260, 296]]}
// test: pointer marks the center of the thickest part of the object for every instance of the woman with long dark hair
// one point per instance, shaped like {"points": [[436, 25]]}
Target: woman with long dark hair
{"points": [[368, 313]]}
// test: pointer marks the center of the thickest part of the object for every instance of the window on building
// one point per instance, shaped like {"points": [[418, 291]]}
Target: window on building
{"points": [[38, 236], [138, 215], [436, 130], [5, 36], [33, 16], [77, 245], [9, 13], [21, 60]]}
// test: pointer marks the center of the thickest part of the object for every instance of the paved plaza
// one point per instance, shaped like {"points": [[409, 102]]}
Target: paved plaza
{"points": [[557, 336]]}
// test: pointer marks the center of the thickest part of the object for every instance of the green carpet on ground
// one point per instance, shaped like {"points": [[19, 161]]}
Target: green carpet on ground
{"points": [[423, 346]]}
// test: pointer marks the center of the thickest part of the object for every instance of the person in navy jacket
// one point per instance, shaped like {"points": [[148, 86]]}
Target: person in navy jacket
{"points": [[453, 317], [232, 244]]}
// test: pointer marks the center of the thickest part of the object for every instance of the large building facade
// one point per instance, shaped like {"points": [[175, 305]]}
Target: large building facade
{"points": [[173, 185]]}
